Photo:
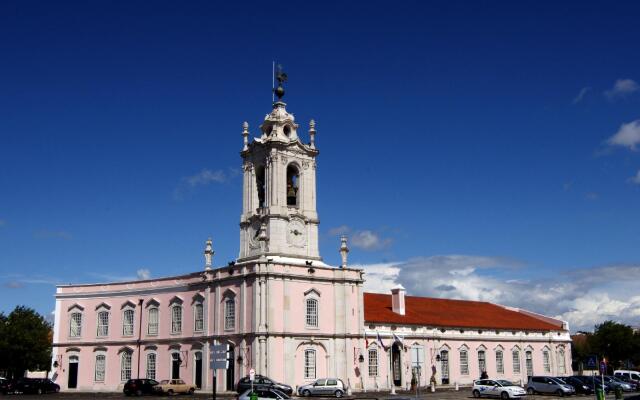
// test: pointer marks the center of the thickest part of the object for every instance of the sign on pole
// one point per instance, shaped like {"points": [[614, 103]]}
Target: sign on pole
{"points": [[603, 367], [592, 362], [220, 356], [252, 374]]}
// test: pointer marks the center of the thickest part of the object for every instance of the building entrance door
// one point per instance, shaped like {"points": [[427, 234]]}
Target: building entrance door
{"points": [[72, 383], [175, 365], [396, 364], [230, 371], [198, 370]]}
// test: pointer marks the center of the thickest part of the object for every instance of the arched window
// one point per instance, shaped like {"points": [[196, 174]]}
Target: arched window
{"points": [[151, 366], [100, 368], [464, 362], [482, 362], [529, 362], [152, 325], [261, 185], [515, 354], [103, 324], [75, 324], [198, 317], [312, 313], [444, 366], [293, 185], [546, 362], [127, 322], [176, 318], [229, 314], [373, 361], [309, 364], [499, 362], [562, 369], [125, 366]]}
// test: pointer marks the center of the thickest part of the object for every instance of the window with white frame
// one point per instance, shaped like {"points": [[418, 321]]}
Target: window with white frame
{"points": [[562, 369], [499, 362], [528, 359], [417, 358], [75, 324], [464, 362], [100, 367], [309, 364], [312, 313], [229, 314], [546, 363], [198, 317], [127, 322], [482, 362], [152, 324], [151, 366], [515, 354], [176, 318], [373, 361], [125, 366], [103, 324]]}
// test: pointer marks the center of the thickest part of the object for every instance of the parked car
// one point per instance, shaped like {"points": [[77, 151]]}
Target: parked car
{"points": [[546, 384], [262, 382], [32, 386], [323, 387], [264, 394], [140, 387], [615, 383], [632, 376], [578, 386], [595, 382], [497, 388], [174, 386], [634, 384], [4, 386]]}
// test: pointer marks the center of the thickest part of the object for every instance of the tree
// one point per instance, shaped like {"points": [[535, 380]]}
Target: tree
{"points": [[617, 342], [24, 341]]}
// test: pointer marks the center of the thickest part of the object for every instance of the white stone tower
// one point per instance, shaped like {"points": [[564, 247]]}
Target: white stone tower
{"points": [[279, 217]]}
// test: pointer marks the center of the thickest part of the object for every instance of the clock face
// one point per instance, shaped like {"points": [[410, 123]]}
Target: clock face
{"points": [[296, 231], [253, 231]]}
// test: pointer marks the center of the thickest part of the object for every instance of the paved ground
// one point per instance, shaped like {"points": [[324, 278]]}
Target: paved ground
{"points": [[463, 394]]}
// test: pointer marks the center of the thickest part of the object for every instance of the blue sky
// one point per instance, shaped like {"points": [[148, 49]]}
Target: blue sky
{"points": [[490, 145]]}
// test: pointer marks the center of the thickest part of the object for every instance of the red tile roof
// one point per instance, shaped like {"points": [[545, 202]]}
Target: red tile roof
{"points": [[429, 311]]}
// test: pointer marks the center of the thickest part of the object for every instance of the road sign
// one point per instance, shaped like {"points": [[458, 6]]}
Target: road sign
{"points": [[603, 367], [220, 356], [592, 362], [252, 374]]}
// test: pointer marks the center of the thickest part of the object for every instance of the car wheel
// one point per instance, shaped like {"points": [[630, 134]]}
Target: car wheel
{"points": [[138, 392], [170, 392], [338, 393], [57, 389], [476, 394], [306, 393], [559, 393], [39, 391], [531, 392], [191, 391], [504, 396]]}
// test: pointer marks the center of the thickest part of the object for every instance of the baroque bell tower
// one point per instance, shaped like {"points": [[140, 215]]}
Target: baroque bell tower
{"points": [[279, 217]]}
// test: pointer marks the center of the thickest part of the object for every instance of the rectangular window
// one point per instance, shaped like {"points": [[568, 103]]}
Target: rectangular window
{"points": [[229, 314], [561, 362], [176, 319], [516, 361], [529, 362], [152, 328], [312, 313], [464, 363], [125, 366], [151, 366], [309, 364], [103, 324], [127, 323], [100, 367], [482, 362], [545, 361], [373, 362], [499, 362], [198, 312], [75, 325]]}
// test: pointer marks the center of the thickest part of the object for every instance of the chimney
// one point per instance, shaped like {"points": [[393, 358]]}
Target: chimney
{"points": [[397, 299]]}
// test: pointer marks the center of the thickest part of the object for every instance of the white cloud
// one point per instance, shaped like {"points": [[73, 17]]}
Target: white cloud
{"points": [[622, 88], [143, 274], [583, 297], [203, 178], [339, 230], [635, 179], [363, 239], [583, 92], [627, 136]]}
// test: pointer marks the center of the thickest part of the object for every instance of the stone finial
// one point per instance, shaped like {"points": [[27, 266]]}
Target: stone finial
{"points": [[312, 134], [344, 250], [208, 254], [245, 136]]}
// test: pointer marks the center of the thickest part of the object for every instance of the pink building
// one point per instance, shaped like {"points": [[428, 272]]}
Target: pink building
{"points": [[286, 313]]}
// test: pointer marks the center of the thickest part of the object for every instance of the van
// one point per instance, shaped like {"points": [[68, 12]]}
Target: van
{"points": [[632, 375]]}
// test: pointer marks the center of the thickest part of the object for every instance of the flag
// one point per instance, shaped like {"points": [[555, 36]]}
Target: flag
{"points": [[366, 341], [397, 339], [380, 341]]}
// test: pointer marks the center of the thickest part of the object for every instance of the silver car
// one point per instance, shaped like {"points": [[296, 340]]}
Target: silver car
{"points": [[323, 387], [546, 384]]}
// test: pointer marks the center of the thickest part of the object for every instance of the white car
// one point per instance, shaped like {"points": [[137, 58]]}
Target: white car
{"points": [[497, 388]]}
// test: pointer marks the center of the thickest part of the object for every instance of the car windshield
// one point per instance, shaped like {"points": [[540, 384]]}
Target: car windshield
{"points": [[503, 382], [556, 380], [280, 394], [164, 382]]}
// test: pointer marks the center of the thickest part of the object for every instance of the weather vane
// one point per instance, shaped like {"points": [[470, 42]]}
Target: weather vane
{"points": [[281, 77]]}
